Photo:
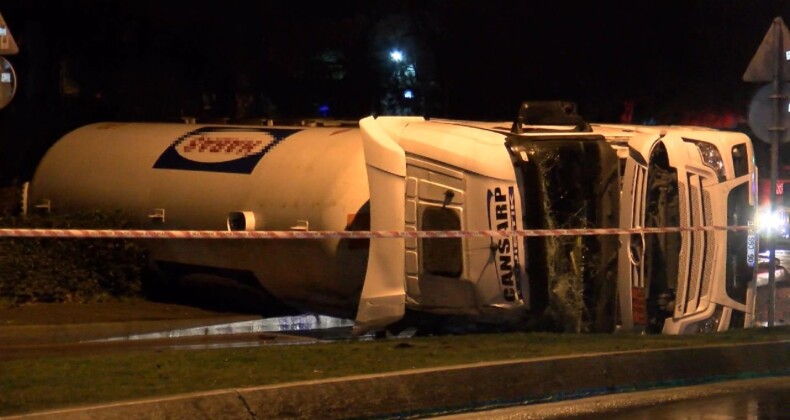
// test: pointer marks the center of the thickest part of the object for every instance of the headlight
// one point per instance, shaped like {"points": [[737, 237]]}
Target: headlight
{"points": [[712, 158]]}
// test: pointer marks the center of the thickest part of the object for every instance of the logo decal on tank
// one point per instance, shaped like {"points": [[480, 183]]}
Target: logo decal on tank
{"points": [[233, 150]]}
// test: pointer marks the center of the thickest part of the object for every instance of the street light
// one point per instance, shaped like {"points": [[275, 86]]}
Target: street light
{"points": [[396, 56]]}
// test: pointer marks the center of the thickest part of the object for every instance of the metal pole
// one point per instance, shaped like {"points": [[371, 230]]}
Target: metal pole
{"points": [[777, 131]]}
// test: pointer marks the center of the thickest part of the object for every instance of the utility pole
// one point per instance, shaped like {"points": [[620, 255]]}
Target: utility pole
{"points": [[770, 64]]}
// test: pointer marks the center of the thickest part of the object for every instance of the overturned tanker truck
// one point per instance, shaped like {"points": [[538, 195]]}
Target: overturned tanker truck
{"points": [[548, 169]]}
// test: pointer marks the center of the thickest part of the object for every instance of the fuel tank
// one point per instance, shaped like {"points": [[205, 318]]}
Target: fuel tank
{"points": [[201, 177]]}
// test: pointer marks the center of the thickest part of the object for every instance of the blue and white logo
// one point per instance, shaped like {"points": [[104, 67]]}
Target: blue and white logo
{"points": [[222, 149]]}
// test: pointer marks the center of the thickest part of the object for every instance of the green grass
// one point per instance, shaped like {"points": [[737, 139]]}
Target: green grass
{"points": [[43, 383]]}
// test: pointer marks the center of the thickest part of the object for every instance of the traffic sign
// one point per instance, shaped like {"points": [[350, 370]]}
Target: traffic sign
{"points": [[761, 113], [762, 68], [7, 44]]}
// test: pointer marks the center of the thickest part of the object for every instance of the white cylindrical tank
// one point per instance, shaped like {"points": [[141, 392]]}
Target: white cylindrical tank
{"points": [[200, 177]]}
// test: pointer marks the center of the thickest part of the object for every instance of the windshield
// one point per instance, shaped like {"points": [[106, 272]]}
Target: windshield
{"points": [[569, 182]]}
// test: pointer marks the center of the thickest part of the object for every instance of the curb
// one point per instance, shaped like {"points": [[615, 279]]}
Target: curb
{"points": [[460, 388]]}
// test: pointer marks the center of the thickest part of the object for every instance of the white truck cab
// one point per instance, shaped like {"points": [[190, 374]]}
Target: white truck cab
{"points": [[689, 177]]}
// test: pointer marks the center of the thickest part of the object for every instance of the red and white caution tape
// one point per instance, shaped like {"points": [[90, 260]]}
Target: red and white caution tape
{"points": [[223, 234]]}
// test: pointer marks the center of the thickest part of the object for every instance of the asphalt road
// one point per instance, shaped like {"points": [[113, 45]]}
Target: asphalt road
{"points": [[784, 257], [757, 399], [782, 308]]}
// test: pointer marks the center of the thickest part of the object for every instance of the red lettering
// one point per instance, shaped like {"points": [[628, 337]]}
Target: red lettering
{"points": [[248, 147], [203, 144], [215, 146], [229, 145], [191, 146]]}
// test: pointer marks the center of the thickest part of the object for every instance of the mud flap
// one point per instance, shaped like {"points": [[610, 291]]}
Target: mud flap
{"points": [[639, 307], [383, 296]]}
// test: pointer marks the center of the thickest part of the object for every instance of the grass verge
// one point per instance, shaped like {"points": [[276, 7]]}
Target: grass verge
{"points": [[43, 383]]}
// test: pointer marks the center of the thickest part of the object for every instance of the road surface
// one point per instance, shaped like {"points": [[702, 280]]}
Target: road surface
{"points": [[758, 399]]}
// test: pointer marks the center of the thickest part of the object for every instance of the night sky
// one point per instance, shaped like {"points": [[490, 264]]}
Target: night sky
{"points": [[83, 61]]}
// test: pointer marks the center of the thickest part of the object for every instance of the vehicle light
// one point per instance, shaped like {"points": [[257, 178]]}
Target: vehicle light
{"points": [[775, 223], [712, 158]]}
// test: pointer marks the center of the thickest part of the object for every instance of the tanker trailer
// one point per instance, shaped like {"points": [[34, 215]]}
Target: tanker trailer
{"points": [[388, 174]]}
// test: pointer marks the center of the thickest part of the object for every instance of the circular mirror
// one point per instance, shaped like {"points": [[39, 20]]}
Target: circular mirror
{"points": [[7, 82]]}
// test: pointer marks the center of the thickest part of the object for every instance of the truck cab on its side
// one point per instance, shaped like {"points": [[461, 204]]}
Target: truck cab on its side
{"points": [[688, 177]]}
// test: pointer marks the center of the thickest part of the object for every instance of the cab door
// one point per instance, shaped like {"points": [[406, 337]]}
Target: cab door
{"points": [[435, 267]]}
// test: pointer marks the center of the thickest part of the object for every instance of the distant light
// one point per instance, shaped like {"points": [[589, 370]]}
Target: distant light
{"points": [[787, 55], [396, 56], [5, 78], [773, 222], [323, 110], [410, 71], [408, 94]]}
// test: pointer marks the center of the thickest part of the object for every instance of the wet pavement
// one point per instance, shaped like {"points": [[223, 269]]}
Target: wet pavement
{"points": [[154, 327], [297, 325], [766, 403], [782, 299], [756, 399], [93, 347]]}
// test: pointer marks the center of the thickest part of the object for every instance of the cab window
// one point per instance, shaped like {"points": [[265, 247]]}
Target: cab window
{"points": [[441, 256]]}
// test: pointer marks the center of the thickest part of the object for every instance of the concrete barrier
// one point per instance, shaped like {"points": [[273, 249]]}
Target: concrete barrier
{"points": [[460, 388]]}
